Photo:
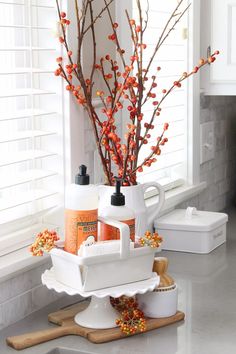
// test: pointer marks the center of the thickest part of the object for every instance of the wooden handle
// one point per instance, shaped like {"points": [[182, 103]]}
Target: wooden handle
{"points": [[160, 266], [28, 340]]}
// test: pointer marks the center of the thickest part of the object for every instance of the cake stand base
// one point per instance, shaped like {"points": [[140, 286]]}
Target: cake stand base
{"points": [[98, 315]]}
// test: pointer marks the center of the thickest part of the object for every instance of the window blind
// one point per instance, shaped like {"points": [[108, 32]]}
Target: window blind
{"points": [[31, 120], [171, 166]]}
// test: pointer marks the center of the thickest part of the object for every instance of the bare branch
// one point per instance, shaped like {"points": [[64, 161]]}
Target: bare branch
{"points": [[163, 37], [94, 43], [119, 50], [98, 16]]}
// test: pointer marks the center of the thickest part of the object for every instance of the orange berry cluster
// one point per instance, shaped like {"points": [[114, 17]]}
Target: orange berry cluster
{"points": [[151, 240], [132, 319], [44, 242]]}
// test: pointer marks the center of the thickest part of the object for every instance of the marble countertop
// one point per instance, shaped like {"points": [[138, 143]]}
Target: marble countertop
{"points": [[207, 293]]}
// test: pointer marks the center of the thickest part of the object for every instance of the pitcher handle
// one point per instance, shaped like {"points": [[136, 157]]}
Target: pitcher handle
{"points": [[156, 207]]}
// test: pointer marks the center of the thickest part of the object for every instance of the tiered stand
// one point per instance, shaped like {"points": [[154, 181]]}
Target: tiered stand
{"points": [[100, 314]]}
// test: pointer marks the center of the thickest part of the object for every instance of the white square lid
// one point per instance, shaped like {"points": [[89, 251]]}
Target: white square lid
{"points": [[191, 219]]}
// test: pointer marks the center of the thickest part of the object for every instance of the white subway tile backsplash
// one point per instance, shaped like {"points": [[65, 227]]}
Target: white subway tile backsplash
{"points": [[15, 286], [224, 187], [220, 173], [205, 115], [220, 143], [17, 308], [213, 191], [220, 202], [42, 296], [21, 283]]}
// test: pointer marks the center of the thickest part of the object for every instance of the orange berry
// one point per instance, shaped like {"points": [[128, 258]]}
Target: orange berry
{"points": [[166, 126], [211, 59], [201, 61], [112, 37]]}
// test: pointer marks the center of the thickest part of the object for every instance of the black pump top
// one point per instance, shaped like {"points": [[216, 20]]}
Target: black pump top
{"points": [[117, 198], [82, 178]]}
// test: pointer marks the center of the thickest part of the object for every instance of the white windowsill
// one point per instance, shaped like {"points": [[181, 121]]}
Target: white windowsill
{"points": [[21, 260], [18, 262], [176, 196]]}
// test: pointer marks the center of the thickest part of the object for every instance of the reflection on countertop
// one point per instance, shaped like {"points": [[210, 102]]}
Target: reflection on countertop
{"points": [[207, 294]]}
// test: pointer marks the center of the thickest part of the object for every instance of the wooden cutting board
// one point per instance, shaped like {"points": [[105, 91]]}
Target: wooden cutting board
{"points": [[66, 326]]}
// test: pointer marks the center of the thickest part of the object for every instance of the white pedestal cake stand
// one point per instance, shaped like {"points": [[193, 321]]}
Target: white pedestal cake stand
{"points": [[100, 314]]}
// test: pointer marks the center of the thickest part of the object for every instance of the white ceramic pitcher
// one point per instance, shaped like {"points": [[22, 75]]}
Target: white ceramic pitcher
{"points": [[134, 199]]}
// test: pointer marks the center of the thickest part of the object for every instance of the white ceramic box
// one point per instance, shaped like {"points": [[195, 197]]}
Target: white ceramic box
{"points": [[192, 230]]}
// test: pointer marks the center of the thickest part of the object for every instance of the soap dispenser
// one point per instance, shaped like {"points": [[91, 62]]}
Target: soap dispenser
{"points": [[81, 211], [117, 211]]}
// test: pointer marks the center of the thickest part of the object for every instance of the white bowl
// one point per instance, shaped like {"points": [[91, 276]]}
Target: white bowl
{"points": [[158, 304]]}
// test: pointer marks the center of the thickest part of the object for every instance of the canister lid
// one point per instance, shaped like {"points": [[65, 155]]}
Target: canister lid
{"points": [[191, 219]]}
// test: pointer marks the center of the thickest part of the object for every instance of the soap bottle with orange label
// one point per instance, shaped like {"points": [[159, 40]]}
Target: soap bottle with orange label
{"points": [[81, 211], [117, 211]]}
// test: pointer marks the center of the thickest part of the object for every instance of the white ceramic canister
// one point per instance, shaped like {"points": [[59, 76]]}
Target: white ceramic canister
{"points": [[159, 303]]}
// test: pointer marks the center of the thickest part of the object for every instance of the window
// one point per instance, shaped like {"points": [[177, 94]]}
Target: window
{"points": [[31, 121], [174, 57], [33, 126]]}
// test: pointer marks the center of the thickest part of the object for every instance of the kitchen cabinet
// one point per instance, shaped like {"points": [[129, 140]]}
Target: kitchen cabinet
{"points": [[218, 32]]}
